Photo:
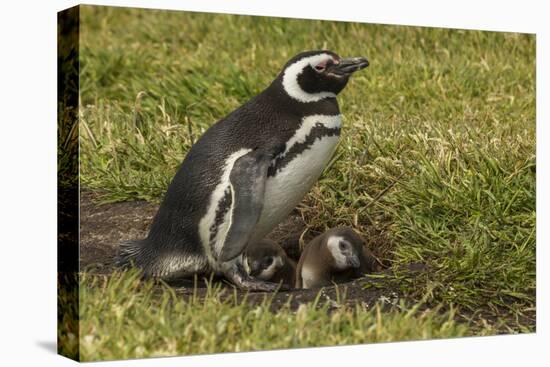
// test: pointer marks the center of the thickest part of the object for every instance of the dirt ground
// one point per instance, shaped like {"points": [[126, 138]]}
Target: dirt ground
{"points": [[103, 227]]}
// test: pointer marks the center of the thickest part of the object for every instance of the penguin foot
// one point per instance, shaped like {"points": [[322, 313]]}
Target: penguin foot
{"points": [[255, 285]]}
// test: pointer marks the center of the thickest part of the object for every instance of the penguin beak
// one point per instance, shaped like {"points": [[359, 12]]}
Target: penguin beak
{"points": [[349, 65]]}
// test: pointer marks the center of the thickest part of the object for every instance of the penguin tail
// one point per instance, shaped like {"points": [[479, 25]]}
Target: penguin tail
{"points": [[141, 254], [130, 254]]}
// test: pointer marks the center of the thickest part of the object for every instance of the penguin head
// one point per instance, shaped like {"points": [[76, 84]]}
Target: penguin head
{"points": [[315, 75], [263, 259], [345, 254]]}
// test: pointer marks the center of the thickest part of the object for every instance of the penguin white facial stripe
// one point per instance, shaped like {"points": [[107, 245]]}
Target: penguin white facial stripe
{"points": [[209, 218], [290, 79], [333, 244]]}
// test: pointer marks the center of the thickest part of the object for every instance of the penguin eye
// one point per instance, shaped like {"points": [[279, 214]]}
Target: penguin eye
{"points": [[342, 246], [268, 261], [320, 67]]}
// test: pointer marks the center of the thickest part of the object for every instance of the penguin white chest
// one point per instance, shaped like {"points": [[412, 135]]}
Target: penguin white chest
{"points": [[297, 169]]}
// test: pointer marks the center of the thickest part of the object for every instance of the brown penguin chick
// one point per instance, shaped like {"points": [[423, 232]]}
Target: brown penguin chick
{"points": [[267, 261], [338, 255]]}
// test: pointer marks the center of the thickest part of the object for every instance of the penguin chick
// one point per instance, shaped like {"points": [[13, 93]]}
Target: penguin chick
{"points": [[338, 255], [266, 260]]}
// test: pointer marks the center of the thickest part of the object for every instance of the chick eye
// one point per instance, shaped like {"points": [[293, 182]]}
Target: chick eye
{"points": [[268, 261], [342, 246]]}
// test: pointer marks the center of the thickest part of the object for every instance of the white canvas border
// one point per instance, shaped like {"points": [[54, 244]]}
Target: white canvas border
{"points": [[28, 156]]}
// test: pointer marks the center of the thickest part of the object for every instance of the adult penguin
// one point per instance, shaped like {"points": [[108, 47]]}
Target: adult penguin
{"points": [[246, 174]]}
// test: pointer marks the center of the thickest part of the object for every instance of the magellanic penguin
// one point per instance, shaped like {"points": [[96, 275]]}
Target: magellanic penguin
{"points": [[266, 260], [336, 256], [246, 174]]}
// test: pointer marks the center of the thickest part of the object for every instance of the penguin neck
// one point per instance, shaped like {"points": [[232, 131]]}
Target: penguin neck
{"points": [[276, 93]]}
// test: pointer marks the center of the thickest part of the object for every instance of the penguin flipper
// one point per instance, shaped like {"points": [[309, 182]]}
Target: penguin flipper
{"points": [[247, 179]]}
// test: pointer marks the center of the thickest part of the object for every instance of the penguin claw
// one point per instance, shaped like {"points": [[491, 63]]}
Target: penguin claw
{"points": [[254, 285], [261, 286], [234, 272]]}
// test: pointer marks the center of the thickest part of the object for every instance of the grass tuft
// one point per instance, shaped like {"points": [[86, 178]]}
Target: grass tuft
{"points": [[121, 317]]}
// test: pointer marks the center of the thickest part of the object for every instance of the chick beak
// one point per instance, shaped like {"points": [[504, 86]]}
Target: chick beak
{"points": [[354, 261]]}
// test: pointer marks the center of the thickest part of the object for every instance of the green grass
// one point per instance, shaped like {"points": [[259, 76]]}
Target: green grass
{"points": [[120, 318], [442, 119]]}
